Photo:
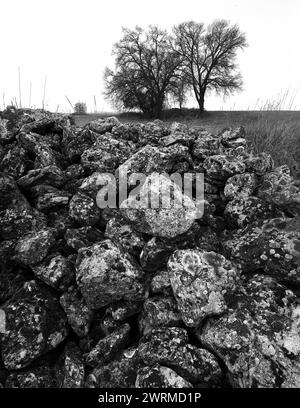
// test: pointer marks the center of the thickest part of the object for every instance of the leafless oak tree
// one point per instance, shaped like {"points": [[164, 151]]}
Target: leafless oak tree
{"points": [[209, 56], [146, 62]]}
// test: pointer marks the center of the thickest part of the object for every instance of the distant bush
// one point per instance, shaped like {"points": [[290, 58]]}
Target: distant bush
{"points": [[80, 108]]}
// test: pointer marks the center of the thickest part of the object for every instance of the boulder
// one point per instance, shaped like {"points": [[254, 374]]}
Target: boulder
{"points": [[34, 325], [272, 246], [201, 281], [106, 274], [172, 219], [277, 187], [57, 272], [258, 339], [33, 247], [169, 347], [79, 315], [84, 210], [107, 347]]}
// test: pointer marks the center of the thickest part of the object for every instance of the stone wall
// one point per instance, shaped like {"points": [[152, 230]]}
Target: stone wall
{"points": [[139, 297]]}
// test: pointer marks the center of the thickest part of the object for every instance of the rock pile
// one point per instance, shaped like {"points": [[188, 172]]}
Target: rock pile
{"points": [[135, 297]]}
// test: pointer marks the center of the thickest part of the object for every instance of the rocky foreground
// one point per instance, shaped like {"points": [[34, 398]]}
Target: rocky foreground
{"points": [[125, 297]]}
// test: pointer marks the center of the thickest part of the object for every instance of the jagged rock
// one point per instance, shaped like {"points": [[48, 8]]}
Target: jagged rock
{"points": [[11, 196], [74, 171], [45, 156], [79, 315], [240, 212], [272, 246], [106, 274], [41, 377], [57, 272], [122, 233], [42, 126], [160, 377], [84, 210], [205, 145], [159, 312], [155, 254], [33, 247], [75, 142], [47, 175], [232, 138], [277, 187], [200, 280], [106, 154], [15, 222], [52, 201], [160, 283], [151, 159], [147, 160], [82, 237], [240, 186], [60, 221], [127, 131], [259, 164], [122, 310], [172, 219], [109, 325], [90, 185], [102, 126], [169, 347], [71, 369], [106, 348], [221, 167], [34, 324], [151, 132], [157, 250], [7, 132], [186, 139], [258, 339], [14, 162], [120, 373], [10, 283]]}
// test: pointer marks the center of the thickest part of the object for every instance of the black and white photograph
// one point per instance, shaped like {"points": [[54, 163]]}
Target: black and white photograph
{"points": [[149, 201]]}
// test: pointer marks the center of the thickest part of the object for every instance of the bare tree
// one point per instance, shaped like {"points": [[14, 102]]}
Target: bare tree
{"points": [[209, 56], [179, 88], [145, 65]]}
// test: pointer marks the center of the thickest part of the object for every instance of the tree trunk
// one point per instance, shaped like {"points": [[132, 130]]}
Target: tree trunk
{"points": [[157, 109], [201, 101]]}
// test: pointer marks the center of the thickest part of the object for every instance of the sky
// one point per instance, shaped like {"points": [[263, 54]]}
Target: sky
{"points": [[65, 46]]}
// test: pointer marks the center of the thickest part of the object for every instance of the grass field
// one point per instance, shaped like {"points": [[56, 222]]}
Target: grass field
{"points": [[276, 132]]}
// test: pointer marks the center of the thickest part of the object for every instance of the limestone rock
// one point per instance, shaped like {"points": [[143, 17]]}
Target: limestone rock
{"points": [[79, 315], [169, 220], [84, 210], [106, 274], [258, 339], [169, 347], [200, 280], [107, 347], [271, 246], [33, 247], [34, 324], [160, 377]]}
